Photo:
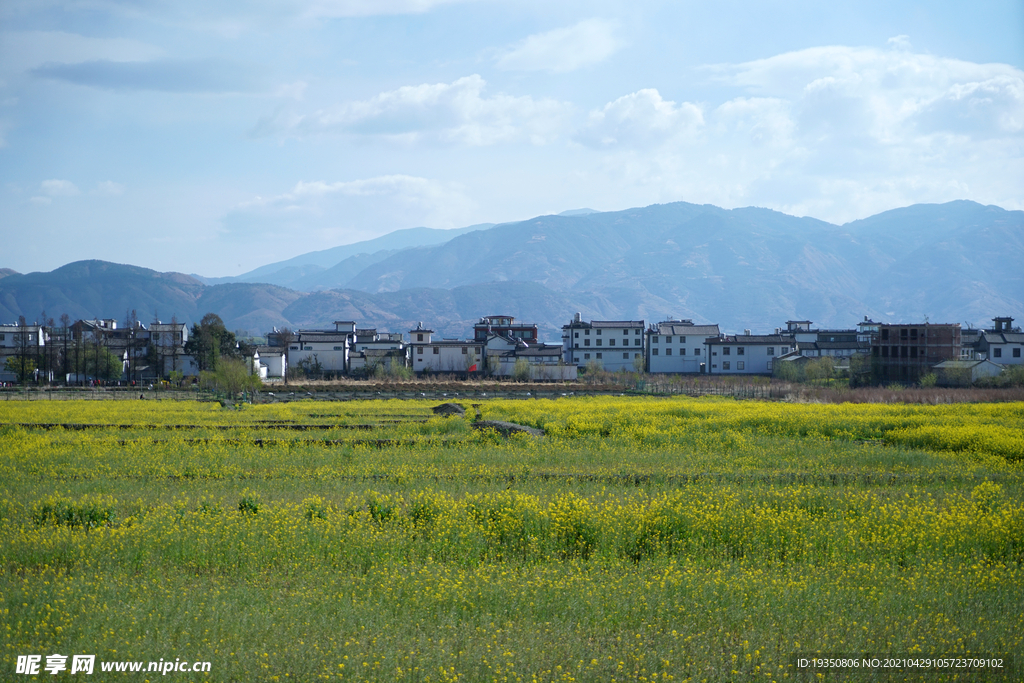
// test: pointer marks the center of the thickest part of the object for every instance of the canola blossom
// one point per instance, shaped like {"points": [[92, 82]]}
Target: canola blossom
{"points": [[641, 539]]}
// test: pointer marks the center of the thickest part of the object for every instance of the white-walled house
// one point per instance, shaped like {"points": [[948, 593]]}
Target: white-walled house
{"points": [[327, 349], [677, 346], [747, 354], [615, 344], [372, 348], [545, 362], [444, 355], [1003, 344], [273, 362]]}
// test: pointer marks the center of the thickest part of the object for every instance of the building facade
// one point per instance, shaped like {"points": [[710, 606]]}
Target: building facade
{"points": [[677, 346], [615, 344]]}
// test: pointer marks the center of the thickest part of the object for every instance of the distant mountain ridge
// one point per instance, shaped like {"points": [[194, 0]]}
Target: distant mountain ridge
{"points": [[741, 268]]}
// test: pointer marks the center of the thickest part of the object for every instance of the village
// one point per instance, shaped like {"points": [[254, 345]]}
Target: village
{"points": [[100, 350]]}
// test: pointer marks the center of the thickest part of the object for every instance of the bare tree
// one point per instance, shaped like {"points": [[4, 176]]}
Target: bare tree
{"points": [[65, 324]]}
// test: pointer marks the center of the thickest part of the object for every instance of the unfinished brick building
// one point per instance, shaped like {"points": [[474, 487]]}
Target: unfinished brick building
{"points": [[902, 353]]}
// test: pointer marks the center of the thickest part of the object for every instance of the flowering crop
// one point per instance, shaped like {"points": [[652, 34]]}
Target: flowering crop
{"points": [[641, 539]]}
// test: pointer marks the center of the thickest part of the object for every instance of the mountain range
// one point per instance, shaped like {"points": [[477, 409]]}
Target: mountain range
{"points": [[747, 268]]}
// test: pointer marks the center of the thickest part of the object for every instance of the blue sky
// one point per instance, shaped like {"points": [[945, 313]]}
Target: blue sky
{"points": [[210, 137]]}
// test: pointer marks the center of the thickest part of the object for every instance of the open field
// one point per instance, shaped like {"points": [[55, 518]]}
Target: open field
{"points": [[641, 539]]}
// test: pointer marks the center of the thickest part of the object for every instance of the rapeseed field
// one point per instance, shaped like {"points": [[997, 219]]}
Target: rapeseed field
{"points": [[640, 539]]}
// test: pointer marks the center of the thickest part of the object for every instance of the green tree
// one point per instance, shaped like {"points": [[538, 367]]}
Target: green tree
{"points": [[210, 341], [521, 370], [232, 376], [22, 366]]}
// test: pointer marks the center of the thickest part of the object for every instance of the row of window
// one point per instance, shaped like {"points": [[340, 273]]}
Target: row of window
{"points": [[998, 352], [668, 339], [726, 365], [586, 333], [611, 342], [599, 356], [668, 352]]}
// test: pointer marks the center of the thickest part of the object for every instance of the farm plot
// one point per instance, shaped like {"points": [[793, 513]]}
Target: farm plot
{"points": [[640, 539]]}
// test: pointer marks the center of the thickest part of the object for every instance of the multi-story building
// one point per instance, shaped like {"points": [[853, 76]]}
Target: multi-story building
{"points": [[814, 343], [677, 346], [322, 351], [747, 354], [1002, 344], [615, 344], [904, 352], [372, 348], [445, 355], [505, 326]]}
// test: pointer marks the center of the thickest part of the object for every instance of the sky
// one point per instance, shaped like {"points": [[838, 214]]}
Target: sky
{"points": [[214, 137]]}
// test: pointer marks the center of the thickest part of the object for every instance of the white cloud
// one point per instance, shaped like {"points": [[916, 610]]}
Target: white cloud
{"points": [[322, 212], [456, 112], [642, 119], [834, 132], [59, 188], [565, 49]]}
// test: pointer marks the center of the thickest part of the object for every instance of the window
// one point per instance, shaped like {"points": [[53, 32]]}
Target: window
{"points": [[586, 342], [586, 332], [1016, 352], [576, 335], [577, 345], [341, 348], [465, 351], [625, 332], [294, 348], [997, 352], [625, 356], [636, 355], [654, 340], [599, 341], [654, 352], [904, 352], [913, 352], [419, 337], [682, 340], [636, 331], [725, 365], [739, 365], [682, 352], [726, 350], [309, 348], [771, 350], [668, 352], [599, 356], [636, 342], [668, 339], [903, 333], [586, 356], [611, 342], [885, 334], [913, 334], [885, 352], [599, 333], [696, 352], [739, 350], [419, 350], [785, 350], [436, 350]]}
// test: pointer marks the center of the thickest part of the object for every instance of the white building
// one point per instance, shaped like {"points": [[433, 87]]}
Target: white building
{"points": [[1003, 343], [840, 344], [677, 346], [747, 354], [273, 362], [544, 362], [372, 348], [445, 355], [615, 344], [325, 351]]}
